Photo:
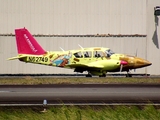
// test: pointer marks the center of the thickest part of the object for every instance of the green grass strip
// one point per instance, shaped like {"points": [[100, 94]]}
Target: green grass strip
{"points": [[77, 80], [81, 113]]}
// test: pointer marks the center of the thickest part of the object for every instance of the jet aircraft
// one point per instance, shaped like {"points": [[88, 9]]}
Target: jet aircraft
{"points": [[95, 60]]}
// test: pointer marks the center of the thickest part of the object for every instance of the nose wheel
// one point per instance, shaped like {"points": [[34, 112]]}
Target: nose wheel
{"points": [[128, 74]]}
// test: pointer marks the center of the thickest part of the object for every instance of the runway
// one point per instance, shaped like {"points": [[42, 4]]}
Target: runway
{"points": [[80, 94]]}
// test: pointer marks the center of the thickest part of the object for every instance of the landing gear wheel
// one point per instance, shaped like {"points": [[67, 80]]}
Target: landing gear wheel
{"points": [[104, 75], [128, 75], [88, 75]]}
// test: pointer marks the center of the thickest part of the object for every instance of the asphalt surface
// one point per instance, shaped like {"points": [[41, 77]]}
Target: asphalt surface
{"points": [[80, 94]]}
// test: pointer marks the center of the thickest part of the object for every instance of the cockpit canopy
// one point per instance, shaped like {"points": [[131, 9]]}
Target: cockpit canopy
{"points": [[94, 53], [109, 52]]}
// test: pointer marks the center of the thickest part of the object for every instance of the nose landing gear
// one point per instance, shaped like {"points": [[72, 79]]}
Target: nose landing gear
{"points": [[128, 74]]}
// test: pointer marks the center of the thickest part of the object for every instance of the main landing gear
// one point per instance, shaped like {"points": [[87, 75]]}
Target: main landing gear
{"points": [[89, 75], [96, 73], [103, 75]]}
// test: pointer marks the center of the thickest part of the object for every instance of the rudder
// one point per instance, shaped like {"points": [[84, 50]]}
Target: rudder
{"points": [[26, 43]]}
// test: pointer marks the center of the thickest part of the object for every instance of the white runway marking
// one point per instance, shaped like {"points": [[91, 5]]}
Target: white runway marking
{"points": [[4, 91]]}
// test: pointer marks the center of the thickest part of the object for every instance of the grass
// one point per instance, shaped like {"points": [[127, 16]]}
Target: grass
{"points": [[147, 112], [81, 113], [77, 80]]}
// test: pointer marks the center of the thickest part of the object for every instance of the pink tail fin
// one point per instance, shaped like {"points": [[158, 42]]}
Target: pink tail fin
{"points": [[26, 44]]}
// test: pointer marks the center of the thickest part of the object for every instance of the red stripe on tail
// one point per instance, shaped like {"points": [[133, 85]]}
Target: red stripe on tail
{"points": [[26, 44]]}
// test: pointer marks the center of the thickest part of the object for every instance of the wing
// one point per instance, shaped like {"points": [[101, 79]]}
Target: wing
{"points": [[86, 66]]}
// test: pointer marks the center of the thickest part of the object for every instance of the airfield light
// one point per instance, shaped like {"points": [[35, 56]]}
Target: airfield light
{"points": [[44, 105]]}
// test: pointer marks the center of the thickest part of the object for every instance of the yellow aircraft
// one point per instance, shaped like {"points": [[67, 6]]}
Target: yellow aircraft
{"points": [[95, 60]]}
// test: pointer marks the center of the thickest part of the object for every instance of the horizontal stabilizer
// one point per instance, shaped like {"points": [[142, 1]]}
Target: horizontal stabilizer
{"points": [[17, 57]]}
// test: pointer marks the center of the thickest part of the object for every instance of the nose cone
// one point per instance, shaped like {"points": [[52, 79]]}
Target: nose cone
{"points": [[139, 62], [147, 63]]}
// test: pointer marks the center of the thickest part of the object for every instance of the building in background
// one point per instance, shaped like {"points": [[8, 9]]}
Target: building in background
{"points": [[127, 26]]}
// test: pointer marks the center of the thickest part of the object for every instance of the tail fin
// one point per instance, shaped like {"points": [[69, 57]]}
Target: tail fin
{"points": [[26, 44]]}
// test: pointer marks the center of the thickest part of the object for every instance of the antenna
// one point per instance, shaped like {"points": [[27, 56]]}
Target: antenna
{"points": [[80, 46], [136, 52], [61, 49]]}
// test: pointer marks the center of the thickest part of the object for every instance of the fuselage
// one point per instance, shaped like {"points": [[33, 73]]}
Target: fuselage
{"points": [[97, 56]]}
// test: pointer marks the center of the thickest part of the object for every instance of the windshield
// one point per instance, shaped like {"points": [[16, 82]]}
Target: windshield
{"points": [[109, 52]]}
